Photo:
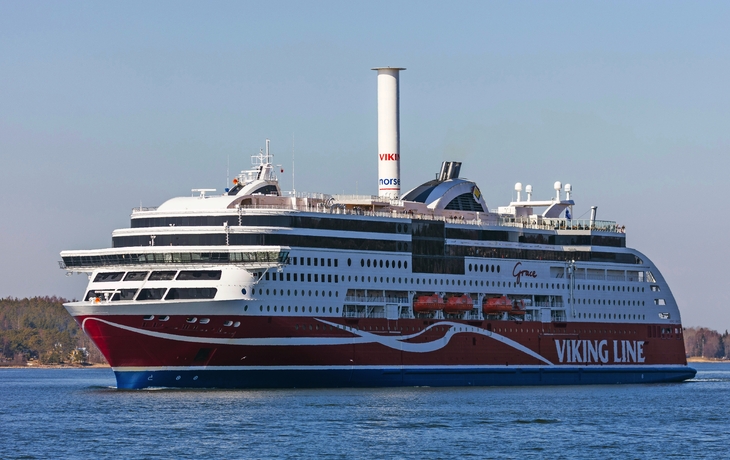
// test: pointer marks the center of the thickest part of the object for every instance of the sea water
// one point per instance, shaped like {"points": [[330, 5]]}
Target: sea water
{"points": [[78, 413]]}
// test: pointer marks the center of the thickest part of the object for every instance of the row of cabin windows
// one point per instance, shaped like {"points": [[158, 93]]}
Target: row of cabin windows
{"points": [[595, 287], [162, 275], [296, 309], [374, 263], [630, 303], [296, 292], [330, 262], [154, 294], [191, 320], [608, 316], [299, 277], [482, 267]]}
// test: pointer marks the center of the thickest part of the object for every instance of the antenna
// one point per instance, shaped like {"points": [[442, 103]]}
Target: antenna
{"points": [[228, 170], [293, 189]]}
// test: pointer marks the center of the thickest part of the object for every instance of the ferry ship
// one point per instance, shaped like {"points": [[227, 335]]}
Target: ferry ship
{"points": [[261, 288]]}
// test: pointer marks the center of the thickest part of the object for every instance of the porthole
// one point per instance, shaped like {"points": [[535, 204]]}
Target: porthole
{"points": [[399, 264], [310, 293], [191, 319], [349, 262], [274, 307], [261, 308], [497, 268], [368, 263], [362, 262], [267, 292], [310, 309], [381, 264], [469, 267], [337, 309], [288, 309], [330, 309], [243, 291], [268, 308], [228, 323], [204, 320], [245, 308], [296, 309], [387, 264], [317, 310], [163, 318], [405, 264]]}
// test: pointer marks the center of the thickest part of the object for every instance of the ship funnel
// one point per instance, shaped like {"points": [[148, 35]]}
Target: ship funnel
{"points": [[449, 170], [388, 132]]}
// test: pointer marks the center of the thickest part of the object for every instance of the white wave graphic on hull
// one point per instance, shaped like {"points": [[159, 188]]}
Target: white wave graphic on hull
{"points": [[361, 337]]}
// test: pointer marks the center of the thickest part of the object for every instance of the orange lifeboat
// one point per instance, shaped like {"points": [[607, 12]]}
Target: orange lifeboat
{"points": [[497, 305], [428, 303], [458, 304]]}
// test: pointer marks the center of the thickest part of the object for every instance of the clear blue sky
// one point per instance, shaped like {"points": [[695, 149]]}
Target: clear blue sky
{"points": [[106, 105]]}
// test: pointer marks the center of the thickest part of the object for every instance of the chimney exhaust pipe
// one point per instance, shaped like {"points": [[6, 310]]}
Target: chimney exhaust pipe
{"points": [[388, 132]]}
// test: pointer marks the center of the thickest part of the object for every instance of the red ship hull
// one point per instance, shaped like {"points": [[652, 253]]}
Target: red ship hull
{"points": [[320, 351]]}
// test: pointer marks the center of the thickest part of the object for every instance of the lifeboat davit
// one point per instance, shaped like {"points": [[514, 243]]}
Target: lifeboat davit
{"points": [[428, 303], [497, 305], [518, 307], [458, 304]]}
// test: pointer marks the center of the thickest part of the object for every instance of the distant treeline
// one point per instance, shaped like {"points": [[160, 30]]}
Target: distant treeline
{"points": [[40, 329], [706, 343]]}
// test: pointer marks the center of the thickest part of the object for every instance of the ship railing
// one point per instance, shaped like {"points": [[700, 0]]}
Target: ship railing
{"points": [[595, 277], [616, 277], [327, 204], [559, 316], [548, 304], [535, 222], [144, 209], [362, 314], [376, 299]]}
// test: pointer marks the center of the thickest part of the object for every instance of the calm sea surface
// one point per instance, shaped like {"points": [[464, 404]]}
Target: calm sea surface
{"points": [[77, 413]]}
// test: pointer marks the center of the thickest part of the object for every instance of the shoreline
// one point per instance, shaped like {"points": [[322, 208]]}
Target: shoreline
{"points": [[699, 359], [57, 366]]}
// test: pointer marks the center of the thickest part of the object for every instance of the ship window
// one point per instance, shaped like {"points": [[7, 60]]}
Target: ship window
{"points": [[405, 264], [315, 261], [349, 262], [266, 277], [191, 293], [309, 277], [163, 318], [387, 264], [124, 294], [399, 264], [191, 319], [136, 276], [109, 276], [151, 294], [337, 279], [201, 275], [204, 320], [336, 262]]}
